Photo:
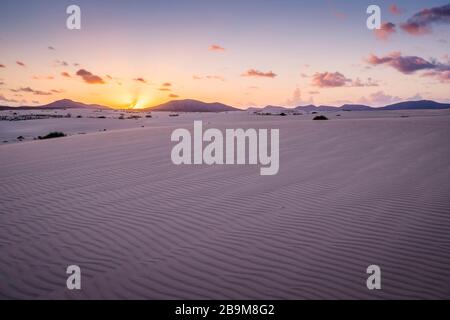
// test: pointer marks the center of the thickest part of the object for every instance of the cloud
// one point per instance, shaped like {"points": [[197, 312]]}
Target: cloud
{"points": [[173, 95], [57, 91], [329, 79], [61, 63], [5, 99], [140, 80], [386, 30], [20, 63], [43, 77], [30, 90], [442, 76], [359, 83], [394, 9], [88, 77], [337, 79], [297, 99], [51, 48], [66, 74], [379, 98], [217, 48], [421, 23], [208, 77], [166, 84], [256, 73], [2, 66], [164, 89], [411, 64]]}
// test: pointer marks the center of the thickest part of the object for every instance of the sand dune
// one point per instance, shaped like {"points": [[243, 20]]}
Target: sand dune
{"points": [[350, 193]]}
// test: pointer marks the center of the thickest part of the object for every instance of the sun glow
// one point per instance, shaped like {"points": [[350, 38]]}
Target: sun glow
{"points": [[138, 104]]}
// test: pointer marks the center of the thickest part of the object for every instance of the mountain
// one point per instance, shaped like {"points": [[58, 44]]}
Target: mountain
{"points": [[270, 109], [407, 105], [190, 105], [312, 108], [59, 104], [414, 105], [355, 107]]}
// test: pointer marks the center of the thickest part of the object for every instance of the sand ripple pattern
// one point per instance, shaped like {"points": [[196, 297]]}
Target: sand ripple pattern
{"points": [[349, 194]]}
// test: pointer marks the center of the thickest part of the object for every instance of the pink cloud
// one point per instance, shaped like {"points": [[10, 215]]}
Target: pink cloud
{"points": [[421, 23], [90, 78], [329, 79], [5, 99], [30, 90], [216, 47], [140, 80], [208, 77], [394, 9], [386, 30], [256, 73], [404, 64], [66, 74]]}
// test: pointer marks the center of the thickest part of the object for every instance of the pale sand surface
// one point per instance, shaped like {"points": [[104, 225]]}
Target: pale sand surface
{"points": [[365, 188]]}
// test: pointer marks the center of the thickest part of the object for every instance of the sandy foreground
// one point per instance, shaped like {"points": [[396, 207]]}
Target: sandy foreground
{"points": [[364, 188]]}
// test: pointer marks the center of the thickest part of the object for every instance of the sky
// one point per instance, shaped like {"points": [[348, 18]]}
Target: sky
{"points": [[136, 53]]}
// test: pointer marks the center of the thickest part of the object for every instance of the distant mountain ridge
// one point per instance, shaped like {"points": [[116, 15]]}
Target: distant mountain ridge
{"points": [[190, 105], [59, 104], [406, 105]]}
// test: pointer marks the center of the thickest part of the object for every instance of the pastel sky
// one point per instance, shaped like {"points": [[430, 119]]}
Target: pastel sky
{"points": [[242, 53]]}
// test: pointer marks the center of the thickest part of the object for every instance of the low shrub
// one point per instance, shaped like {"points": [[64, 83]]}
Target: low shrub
{"points": [[320, 118], [51, 135]]}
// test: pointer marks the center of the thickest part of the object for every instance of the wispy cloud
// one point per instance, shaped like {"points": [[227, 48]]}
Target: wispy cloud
{"points": [[208, 77], [62, 63], [20, 63], [140, 79], [30, 90], [5, 99], [90, 78], [43, 77], [386, 30], [217, 48], [172, 95], [51, 48], [2, 66], [379, 98], [66, 74], [257, 73], [394, 9]]}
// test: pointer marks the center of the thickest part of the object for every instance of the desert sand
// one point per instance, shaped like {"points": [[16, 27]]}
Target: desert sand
{"points": [[360, 189]]}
